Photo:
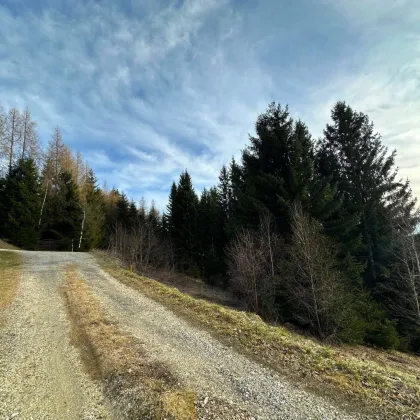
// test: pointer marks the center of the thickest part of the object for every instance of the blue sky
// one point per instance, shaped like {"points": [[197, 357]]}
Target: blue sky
{"points": [[145, 89]]}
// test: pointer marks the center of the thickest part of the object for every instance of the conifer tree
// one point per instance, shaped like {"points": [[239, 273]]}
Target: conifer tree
{"points": [[182, 221], [353, 155], [278, 168], [210, 234], [95, 212], [153, 216], [22, 202], [172, 213], [123, 211], [111, 199], [63, 212]]}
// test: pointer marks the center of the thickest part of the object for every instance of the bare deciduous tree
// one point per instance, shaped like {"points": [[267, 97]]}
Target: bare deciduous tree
{"points": [[56, 154], [252, 266], [2, 138], [57, 158], [30, 140], [313, 284], [404, 287], [12, 136], [141, 246]]}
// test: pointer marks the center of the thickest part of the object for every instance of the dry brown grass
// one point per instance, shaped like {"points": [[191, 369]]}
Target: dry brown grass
{"points": [[188, 285], [375, 380], [6, 245], [138, 386], [9, 281]]}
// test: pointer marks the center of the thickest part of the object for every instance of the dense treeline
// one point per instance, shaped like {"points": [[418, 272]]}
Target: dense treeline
{"points": [[320, 234]]}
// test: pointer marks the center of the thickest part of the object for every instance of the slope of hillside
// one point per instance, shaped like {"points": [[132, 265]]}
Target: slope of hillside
{"points": [[6, 245], [386, 382]]}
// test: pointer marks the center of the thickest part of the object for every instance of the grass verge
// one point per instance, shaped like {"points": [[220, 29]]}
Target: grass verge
{"points": [[137, 386], [378, 381], [6, 245], [9, 281]]}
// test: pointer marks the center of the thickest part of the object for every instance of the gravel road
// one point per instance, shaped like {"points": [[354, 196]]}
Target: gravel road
{"points": [[40, 374]]}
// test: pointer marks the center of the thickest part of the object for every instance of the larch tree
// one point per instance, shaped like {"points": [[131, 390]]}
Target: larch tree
{"points": [[12, 136], [30, 141]]}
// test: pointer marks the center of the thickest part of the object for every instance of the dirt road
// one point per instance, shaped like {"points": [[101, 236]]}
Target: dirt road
{"points": [[41, 376]]}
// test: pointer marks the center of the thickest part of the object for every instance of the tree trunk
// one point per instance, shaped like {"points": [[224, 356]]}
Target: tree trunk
{"points": [[81, 230], [43, 204]]}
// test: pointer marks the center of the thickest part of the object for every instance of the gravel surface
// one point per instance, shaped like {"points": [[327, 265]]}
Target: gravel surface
{"points": [[215, 371], [41, 376]]}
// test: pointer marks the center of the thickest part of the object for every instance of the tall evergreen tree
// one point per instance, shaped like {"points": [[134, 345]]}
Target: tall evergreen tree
{"points": [[278, 169], [210, 234], [63, 212], [353, 155], [133, 214], [111, 199], [22, 203], [95, 212], [224, 190], [182, 221], [153, 216], [123, 211]]}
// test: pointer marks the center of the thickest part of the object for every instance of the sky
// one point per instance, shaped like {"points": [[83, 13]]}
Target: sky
{"points": [[148, 88]]}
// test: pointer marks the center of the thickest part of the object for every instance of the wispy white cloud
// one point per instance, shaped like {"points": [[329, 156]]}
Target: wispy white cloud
{"points": [[148, 89], [386, 84]]}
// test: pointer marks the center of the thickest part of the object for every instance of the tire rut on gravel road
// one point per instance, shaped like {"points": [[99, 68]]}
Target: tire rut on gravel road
{"points": [[39, 366], [204, 364], [41, 375]]}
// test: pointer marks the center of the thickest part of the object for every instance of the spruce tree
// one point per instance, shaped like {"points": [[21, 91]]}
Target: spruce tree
{"points": [[123, 211], [63, 212], [153, 217], [22, 199], [142, 210], [95, 212], [133, 214], [182, 222], [353, 155], [224, 190], [278, 169], [211, 235]]}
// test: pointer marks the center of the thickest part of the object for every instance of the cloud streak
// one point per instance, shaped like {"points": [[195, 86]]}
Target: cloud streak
{"points": [[147, 90]]}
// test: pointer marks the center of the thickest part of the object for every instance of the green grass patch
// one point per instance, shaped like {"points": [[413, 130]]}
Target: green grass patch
{"points": [[378, 381]]}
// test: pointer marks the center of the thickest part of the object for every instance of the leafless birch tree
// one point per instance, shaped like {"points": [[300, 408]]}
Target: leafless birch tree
{"points": [[404, 287], [253, 258], [141, 246], [313, 284]]}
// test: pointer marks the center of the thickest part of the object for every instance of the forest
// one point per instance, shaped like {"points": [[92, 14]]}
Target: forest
{"points": [[321, 234]]}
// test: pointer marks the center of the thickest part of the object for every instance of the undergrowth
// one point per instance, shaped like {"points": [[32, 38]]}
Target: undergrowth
{"points": [[378, 381]]}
